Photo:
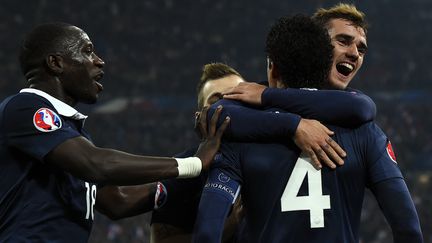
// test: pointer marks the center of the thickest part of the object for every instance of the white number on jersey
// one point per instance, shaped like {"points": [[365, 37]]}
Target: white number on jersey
{"points": [[90, 200], [315, 202]]}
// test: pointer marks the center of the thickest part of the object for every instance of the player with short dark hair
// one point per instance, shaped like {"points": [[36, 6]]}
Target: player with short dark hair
{"points": [[285, 198], [50, 169]]}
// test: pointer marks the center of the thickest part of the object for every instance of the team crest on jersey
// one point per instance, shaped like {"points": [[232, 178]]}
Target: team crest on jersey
{"points": [[46, 120], [223, 178], [390, 152]]}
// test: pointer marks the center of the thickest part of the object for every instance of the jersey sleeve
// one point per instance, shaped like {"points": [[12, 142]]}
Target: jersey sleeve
{"points": [[395, 201], [342, 108], [249, 124], [217, 198], [25, 129], [380, 158]]}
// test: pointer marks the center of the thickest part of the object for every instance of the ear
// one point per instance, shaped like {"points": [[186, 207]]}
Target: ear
{"points": [[273, 75], [55, 63]]}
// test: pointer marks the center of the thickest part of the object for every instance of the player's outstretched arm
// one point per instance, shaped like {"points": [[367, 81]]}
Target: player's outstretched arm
{"points": [[82, 159], [337, 107], [395, 201]]}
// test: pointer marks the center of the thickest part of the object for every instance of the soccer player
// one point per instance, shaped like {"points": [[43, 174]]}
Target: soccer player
{"points": [[347, 28], [50, 169], [286, 199], [177, 200]]}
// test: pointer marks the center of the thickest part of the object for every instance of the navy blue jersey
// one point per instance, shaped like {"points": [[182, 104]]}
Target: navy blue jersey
{"points": [[288, 200], [183, 195], [39, 202]]}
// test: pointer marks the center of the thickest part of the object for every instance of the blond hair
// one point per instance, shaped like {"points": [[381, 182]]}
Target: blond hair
{"points": [[213, 71], [341, 11]]}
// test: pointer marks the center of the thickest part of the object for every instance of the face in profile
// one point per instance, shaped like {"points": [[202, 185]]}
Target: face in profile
{"points": [[350, 47], [82, 69]]}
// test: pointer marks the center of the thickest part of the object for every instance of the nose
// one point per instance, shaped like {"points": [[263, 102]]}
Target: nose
{"points": [[98, 61], [352, 52]]}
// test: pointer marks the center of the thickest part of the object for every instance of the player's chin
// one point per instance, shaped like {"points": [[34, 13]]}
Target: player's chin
{"points": [[90, 98]]}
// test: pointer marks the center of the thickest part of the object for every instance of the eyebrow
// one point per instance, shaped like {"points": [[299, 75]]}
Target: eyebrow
{"points": [[350, 38]]}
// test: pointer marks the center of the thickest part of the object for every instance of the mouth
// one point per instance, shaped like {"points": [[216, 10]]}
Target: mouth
{"points": [[345, 68], [96, 78]]}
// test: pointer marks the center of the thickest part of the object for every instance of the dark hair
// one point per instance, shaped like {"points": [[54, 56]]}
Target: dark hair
{"points": [[301, 51], [42, 40]]}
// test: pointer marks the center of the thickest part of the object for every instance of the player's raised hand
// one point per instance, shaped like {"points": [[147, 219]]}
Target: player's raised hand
{"points": [[313, 138], [246, 92], [210, 136]]}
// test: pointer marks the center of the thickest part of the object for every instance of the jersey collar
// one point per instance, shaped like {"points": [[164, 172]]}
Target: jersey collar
{"points": [[61, 107]]}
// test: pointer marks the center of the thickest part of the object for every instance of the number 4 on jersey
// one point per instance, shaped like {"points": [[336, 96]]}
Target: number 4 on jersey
{"points": [[315, 202]]}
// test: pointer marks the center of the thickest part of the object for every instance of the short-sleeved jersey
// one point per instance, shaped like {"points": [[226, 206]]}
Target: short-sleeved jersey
{"points": [[39, 202], [288, 200]]}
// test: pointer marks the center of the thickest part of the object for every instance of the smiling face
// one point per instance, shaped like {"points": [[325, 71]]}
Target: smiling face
{"points": [[82, 69], [350, 47]]}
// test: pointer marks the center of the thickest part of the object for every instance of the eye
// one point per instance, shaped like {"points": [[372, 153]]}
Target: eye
{"points": [[362, 50], [89, 50], [343, 41]]}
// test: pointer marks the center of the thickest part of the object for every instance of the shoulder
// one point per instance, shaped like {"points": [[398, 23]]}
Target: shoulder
{"points": [[22, 101]]}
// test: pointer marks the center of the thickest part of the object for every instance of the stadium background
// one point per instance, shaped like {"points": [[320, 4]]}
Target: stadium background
{"points": [[154, 51]]}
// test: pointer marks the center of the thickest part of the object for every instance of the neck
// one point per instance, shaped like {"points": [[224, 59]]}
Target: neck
{"points": [[53, 87]]}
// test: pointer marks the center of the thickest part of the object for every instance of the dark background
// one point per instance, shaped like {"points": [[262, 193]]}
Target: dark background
{"points": [[154, 51]]}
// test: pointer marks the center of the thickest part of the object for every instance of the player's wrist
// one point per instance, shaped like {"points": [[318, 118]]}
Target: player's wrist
{"points": [[189, 167]]}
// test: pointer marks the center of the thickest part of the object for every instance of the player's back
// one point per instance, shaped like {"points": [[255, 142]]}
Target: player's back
{"points": [[287, 200]]}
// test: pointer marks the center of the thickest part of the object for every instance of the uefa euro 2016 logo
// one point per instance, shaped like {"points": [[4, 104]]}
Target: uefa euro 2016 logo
{"points": [[46, 120]]}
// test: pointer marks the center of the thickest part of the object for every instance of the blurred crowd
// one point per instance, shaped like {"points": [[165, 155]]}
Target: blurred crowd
{"points": [[154, 51]]}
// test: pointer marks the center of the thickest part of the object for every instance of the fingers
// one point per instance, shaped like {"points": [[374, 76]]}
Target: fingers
{"points": [[222, 128], [203, 121], [233, 96], [322, 155], [328, 131], [315, 161], [234, 90], [214, 119], [336, 147]]}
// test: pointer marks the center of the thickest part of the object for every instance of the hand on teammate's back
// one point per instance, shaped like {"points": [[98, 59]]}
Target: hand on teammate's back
{"points": [[313, 138], [210, 137]]}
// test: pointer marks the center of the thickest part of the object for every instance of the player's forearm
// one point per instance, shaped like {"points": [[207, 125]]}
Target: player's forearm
{"points": [[121, 168], [126, 201], [82, 159], [348, 109], [247, 124]]}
